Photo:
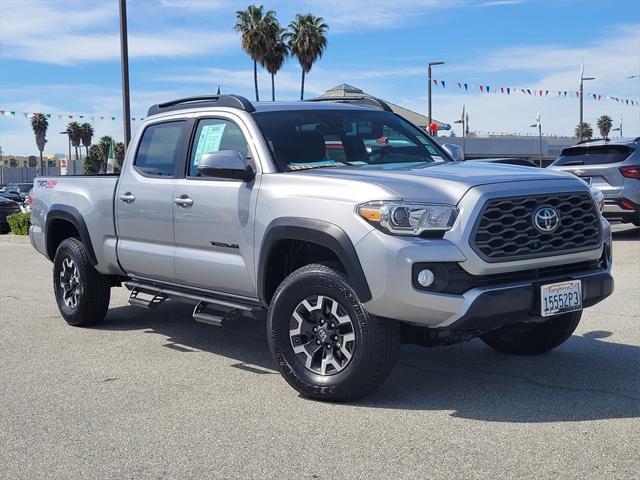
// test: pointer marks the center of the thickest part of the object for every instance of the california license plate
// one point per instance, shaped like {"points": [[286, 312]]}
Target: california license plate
{"points": [[562, 297]]}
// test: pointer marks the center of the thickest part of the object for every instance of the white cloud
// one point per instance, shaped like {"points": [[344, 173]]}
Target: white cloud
{"points": [[500, 3], [70, 33]]}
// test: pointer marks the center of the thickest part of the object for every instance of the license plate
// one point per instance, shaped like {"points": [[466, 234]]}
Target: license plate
{"points": [[562, 297]]}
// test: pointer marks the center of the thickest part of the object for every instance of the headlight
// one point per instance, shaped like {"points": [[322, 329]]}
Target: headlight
{"points": [[598, 198], [400, 218]]}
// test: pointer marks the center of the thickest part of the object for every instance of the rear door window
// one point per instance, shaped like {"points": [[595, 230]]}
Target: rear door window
{"points": [[596, 155], [158, 150]]}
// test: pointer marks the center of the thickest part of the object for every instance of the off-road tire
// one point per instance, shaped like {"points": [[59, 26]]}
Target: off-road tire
{"points": [[535, 338], [376, 345], [94, 288]]}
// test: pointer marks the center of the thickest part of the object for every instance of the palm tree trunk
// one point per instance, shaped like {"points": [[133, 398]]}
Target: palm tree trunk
{"points": [[41, 164], [273, 88], [255, 79], [77, 158], [302, 86]]}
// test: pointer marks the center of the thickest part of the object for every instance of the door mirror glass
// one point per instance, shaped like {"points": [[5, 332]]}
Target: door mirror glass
{"points": [[225, 164], [455, 151]]}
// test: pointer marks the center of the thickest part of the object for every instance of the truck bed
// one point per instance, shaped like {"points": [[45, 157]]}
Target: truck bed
{"points": [[87, 198]]}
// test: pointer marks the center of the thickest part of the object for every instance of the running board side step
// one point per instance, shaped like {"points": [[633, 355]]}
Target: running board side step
{"points": [[160, 293], [143, 301], [203, 313]]}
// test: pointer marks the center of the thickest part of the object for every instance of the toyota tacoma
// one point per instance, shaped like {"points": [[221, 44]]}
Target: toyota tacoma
{"points": [[343, 226]]}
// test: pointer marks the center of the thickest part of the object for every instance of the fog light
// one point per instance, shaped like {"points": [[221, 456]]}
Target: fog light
{"points": [[425, 277]]}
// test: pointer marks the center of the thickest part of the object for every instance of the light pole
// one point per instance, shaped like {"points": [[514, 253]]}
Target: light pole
{"points": [[539, 125], [463, 121], [431, 64], [124, 64], [582, 79], [619, 129]]}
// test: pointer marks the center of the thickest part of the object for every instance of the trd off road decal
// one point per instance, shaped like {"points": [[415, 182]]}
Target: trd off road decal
{"points": [[47, 183]]}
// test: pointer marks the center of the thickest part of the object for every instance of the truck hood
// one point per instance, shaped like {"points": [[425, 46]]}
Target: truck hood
{"points": [[437, 182]]}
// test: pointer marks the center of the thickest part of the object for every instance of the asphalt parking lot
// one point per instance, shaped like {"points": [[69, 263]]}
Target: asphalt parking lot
{"points": [[156, 395]]}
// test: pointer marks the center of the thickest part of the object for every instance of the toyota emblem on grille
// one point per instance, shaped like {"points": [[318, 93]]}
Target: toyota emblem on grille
{"points": [[546, 219]]}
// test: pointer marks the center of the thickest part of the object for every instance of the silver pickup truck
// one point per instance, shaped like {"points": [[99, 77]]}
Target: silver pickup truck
{"points": [[344, 226]]}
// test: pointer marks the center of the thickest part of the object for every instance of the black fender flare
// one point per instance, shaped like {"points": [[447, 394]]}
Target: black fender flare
{"points": [[73, 216], [322, 233]]}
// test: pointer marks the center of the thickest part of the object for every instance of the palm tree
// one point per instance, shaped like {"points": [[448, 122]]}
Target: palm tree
{"points": [[252, 24], [277, 52], [39, 124], [86, 135], [307, 41], [604, 124], [584, 130], [74, 131]]}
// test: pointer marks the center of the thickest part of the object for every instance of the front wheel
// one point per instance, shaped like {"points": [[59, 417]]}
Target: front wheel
{"points": [[324, 342], [81, 292], [533, 338]]}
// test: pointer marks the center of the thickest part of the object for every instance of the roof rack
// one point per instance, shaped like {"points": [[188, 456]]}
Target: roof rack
{"points": [[366, 100], [233, 101]]}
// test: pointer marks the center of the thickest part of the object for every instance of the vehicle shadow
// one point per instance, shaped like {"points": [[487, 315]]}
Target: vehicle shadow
{"points": [[587, 378]]}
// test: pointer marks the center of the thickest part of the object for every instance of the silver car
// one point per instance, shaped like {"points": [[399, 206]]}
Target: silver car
{"points": [[611, 166]]}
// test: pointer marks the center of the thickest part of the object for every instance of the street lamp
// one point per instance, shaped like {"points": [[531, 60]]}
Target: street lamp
{"points": [[582, 79], [539, 125], [619, 129], [431, 64], [464, 119]]}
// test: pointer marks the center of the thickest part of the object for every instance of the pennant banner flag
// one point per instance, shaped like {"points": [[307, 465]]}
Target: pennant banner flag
{"points": [[531, 92]]}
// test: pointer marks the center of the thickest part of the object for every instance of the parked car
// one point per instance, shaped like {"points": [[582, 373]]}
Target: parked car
{"points": [[17, 192], [613, 167], [240, 207], [7, 207]]}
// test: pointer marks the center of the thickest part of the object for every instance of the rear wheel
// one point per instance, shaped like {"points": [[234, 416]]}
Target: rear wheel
{"points": [[324, 342], [81, 292], [534, 338]]}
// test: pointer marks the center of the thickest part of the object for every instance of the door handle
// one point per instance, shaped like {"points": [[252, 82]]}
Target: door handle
{"points": [[183, 201], [128, 197]]}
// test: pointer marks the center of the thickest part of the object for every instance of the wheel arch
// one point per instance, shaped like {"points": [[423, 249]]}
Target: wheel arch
{"points": [[314, 232], [65, 221]]}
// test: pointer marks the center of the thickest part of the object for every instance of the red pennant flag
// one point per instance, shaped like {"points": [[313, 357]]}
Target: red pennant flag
{"points": [[501, 89], [435, 82], [460, 85], [482, 88]]}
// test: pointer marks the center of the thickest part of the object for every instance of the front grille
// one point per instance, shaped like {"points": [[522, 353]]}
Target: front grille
{"points": [[505, 230]]}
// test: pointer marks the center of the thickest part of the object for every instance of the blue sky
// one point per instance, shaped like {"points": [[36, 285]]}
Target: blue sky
{"points": [[62, 57]]}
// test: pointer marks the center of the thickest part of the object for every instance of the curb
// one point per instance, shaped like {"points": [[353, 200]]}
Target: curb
{"points": [[11, 238]]}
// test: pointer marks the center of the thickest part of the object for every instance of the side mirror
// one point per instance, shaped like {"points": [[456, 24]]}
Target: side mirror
{"points": [[455, 151], [225, 164]]}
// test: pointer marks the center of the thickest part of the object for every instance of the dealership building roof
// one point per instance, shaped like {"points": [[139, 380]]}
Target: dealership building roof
{"points": [[346, 90]]}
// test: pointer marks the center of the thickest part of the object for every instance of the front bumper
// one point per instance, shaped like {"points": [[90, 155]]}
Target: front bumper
{"points": [[387, 262], [494, 308]]}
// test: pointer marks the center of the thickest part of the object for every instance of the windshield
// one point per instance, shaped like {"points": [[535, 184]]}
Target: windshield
{"points": [[303, 139]]}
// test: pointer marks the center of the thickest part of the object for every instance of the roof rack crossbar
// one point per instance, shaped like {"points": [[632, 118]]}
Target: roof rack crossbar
{"points": [[232, 101], [366, 100]]}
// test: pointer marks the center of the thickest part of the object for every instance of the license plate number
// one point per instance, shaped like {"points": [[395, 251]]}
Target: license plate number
{"points": [[562, 297]]}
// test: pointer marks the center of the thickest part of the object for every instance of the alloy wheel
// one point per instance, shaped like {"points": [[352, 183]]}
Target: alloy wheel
{"points": [[322, 335], [70, 283]]}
